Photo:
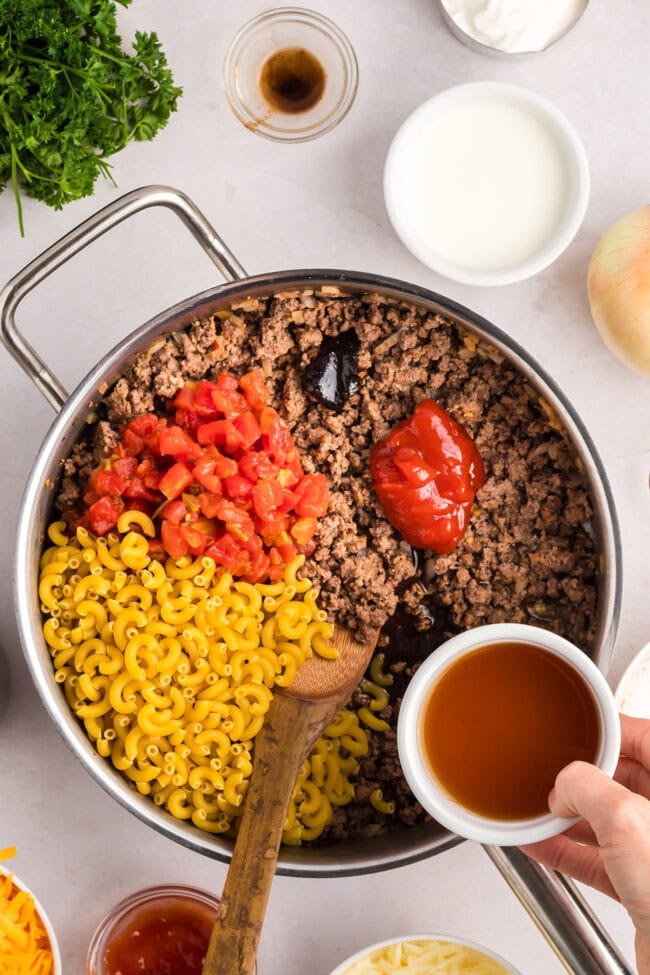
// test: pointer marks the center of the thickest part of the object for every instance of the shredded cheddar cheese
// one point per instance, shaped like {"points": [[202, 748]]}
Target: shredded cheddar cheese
{"points": [[24, 945]]}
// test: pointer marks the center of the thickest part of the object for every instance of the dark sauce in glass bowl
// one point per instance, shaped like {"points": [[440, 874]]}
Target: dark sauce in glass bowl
{"points": [[292, 80]]}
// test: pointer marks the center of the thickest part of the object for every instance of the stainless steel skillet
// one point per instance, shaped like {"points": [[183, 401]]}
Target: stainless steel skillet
{"points": [[554, 904]]}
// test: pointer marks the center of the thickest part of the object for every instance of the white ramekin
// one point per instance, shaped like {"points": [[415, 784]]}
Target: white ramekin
{"points": [[404, 145], [427, 790], [633, 691], [47, 924], [360, 955]]}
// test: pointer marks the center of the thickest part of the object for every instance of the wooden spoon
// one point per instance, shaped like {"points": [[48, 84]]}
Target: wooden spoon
{"points": [[296, 718]]}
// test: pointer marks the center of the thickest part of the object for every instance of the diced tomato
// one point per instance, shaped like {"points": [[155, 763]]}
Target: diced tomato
{"points": [[237, 487], [174, 512], [126, 466], [174, 442], [175, 480], [214, 433], [227, 551], [255, 391], [259, 568], [143, 425], [209, 503], [267, 497], [203, 404], [303, 530], [255, 464], [103, 514], [248, 429], [312, 496], [222, 476], [109, 482], [276, 439], [173, 540], [196, 540], [226, 382], [133, 444], [285, 546], [228, 402], [135, 487], [288, 478], [156, 547], [210, 470]]}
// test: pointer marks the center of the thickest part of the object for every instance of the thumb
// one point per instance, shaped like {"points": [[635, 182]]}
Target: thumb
{"points": [[610, 809]]}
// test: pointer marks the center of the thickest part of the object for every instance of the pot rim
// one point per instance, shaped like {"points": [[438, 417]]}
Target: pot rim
{"points": [[63, 433]]}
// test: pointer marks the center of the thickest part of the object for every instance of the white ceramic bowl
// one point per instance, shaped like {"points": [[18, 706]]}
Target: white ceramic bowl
{"points": [[360, 955], [633, 691], [47, 924], [420, 126], [423, 785]]}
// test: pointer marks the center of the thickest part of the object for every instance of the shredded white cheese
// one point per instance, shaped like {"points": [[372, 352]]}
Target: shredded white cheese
{"points": [[426, 958]]}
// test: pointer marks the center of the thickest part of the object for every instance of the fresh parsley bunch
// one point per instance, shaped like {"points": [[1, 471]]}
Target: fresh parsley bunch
{"points": [[70, 97]]}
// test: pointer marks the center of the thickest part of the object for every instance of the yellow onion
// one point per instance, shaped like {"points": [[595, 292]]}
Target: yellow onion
{"points": [[618, 283]]}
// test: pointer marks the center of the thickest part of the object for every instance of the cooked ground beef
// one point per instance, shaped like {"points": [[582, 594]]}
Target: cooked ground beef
{"points": [[528, 555]]}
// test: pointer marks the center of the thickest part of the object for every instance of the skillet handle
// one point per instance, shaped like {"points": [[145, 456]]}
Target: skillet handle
{"points": [[73, 242], [561, 914]]}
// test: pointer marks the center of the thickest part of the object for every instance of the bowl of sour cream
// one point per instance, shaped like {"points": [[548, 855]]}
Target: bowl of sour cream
{"points": [[486, 183], [511, 28]]}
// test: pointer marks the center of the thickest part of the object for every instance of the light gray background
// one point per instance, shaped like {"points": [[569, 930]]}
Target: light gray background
{"points": [[317, 204]]}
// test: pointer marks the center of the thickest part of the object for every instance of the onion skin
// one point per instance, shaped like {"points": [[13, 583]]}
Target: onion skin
{"points": [[618, 285]]}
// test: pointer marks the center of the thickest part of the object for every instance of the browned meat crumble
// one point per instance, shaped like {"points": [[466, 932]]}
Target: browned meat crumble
{"points": [[528, 555]]}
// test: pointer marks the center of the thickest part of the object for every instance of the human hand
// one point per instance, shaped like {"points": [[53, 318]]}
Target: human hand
{"points": [[609, 848]]}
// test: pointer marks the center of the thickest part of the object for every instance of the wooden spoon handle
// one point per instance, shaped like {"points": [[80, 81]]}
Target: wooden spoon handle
{"points": [[290, 729]]}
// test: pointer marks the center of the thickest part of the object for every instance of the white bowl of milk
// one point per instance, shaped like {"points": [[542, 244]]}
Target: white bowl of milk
{"points": [[486, 183]]}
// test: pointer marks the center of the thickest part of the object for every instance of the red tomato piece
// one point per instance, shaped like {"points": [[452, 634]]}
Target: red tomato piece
{"points": [[175, 442], [221, 433], [226, 382], [143, 425], [202, 402], [184, 398], [303, 530], [173, 541], [254, 385], [248, 429], [255, 464], [103, 514], [276, 439], [175, 480], [196, 541], [109, 482], [259, 567], [267, 497], [209, 503], [312, 496], [174, 512], [237, 487], [229, 402]]}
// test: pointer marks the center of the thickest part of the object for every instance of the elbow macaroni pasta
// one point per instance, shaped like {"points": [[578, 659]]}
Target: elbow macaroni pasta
{"points": [[171, 666]]}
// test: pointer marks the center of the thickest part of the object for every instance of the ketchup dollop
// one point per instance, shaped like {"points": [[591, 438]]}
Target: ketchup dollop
{"points": [[168, 937], [426, 473]]}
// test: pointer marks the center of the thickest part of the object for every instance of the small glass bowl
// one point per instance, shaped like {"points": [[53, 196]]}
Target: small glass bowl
{"points": [[276, 30], [120, 915]]}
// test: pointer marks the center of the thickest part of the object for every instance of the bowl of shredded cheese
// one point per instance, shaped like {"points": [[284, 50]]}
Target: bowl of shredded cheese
{"points": [[425, 954], [27, 940]]}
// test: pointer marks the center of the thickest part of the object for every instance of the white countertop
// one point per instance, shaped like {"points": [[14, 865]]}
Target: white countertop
{"points": [[316, 204]]}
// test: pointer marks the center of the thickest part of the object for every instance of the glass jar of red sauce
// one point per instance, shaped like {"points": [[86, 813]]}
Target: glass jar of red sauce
{"points": [[161, 931]]}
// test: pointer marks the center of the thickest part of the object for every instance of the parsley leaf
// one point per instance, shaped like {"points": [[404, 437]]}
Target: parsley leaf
{"points": [[70, 97]]}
